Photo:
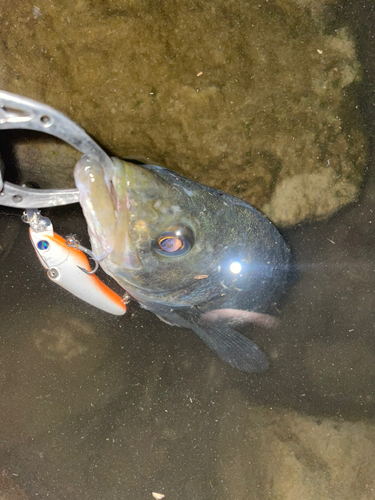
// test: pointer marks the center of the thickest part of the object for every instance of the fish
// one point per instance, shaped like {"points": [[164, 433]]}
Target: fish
{"points": [[195, 256]]}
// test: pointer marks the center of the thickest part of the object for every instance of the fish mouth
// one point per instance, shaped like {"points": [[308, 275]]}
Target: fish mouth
{"points": [[105, 204], [124, 253]]}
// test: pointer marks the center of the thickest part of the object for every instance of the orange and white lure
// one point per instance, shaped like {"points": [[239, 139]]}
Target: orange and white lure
{"points": [[68, 265]]}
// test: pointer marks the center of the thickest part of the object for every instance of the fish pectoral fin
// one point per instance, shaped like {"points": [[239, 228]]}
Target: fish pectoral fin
{"points": [[232, 347]]}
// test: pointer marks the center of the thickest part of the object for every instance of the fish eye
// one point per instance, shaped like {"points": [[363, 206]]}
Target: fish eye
{"points": [[174, 241]]}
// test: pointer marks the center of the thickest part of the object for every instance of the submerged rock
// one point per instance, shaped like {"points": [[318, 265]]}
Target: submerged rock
{"points": [[254, 98]]}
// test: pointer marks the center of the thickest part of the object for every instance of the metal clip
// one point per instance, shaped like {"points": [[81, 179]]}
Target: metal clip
{"points": [[17, 112]]}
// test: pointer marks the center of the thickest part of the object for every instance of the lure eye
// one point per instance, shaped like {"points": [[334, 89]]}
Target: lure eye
{"points": [[174, 241], [42, 245]]}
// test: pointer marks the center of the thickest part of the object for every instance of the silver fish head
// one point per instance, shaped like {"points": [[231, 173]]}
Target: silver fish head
{"points": [[195, 256], [169, 240]]}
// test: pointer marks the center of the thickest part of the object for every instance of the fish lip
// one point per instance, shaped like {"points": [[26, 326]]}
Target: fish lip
{"points": [[124, 252]]}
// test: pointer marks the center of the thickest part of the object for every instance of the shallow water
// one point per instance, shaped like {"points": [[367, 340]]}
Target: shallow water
{"points": [[98, 407]]}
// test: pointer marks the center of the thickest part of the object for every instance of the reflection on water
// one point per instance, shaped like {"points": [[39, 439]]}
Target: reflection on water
{"points": [[100, 407]]}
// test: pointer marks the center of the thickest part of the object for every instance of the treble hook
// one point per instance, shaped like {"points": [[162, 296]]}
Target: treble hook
{"points": [[72, 241]]}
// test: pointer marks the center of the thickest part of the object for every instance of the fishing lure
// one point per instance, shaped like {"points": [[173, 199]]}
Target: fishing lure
{"points": [[68, 266]]}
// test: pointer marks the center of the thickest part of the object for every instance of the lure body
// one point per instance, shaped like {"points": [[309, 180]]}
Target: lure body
{"points": [[66, 266]]}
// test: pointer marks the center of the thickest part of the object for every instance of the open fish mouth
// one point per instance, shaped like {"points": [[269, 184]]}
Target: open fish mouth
{"points": [[106, 207]]}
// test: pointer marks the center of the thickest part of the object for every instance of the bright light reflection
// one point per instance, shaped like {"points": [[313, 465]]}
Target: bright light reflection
{"points": [[235, 267]]}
